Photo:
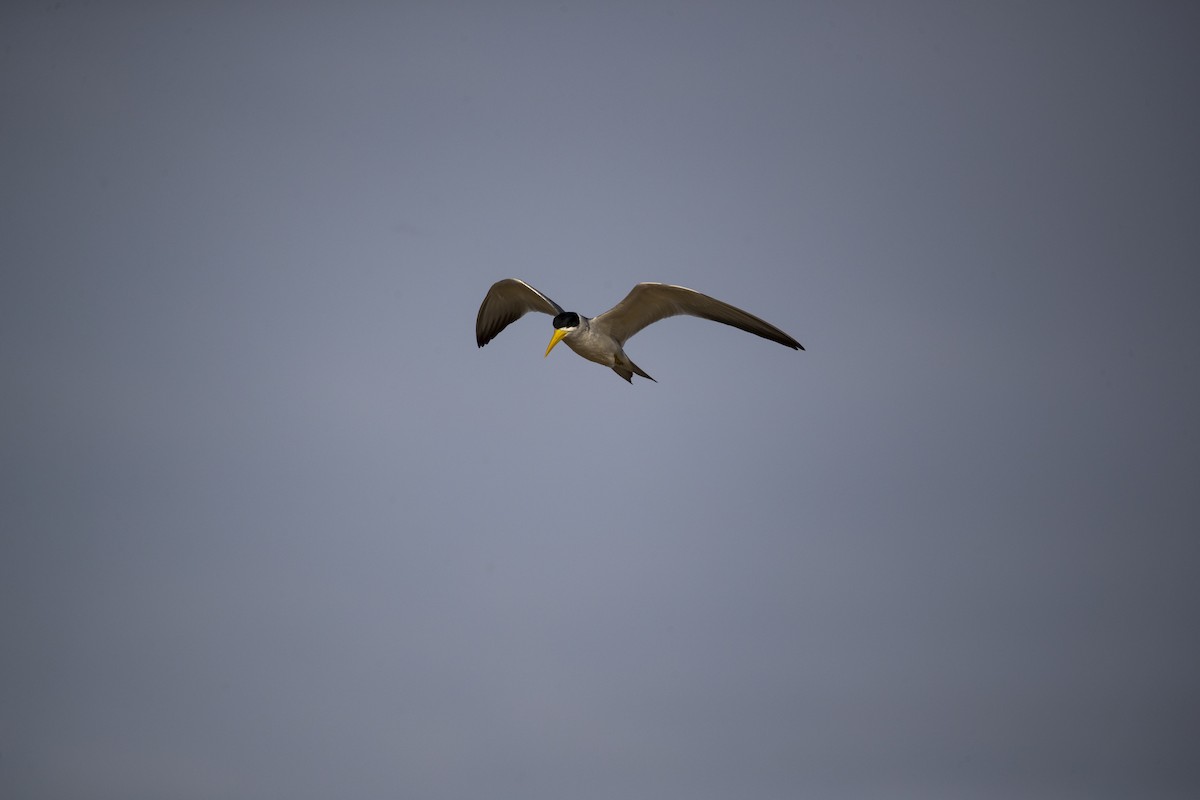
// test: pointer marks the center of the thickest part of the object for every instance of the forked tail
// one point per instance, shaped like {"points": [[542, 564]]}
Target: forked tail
{"points": [[627, 369]]}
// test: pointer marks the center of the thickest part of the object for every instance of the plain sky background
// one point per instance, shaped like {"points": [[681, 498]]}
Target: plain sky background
{"points": [[273, 526]]}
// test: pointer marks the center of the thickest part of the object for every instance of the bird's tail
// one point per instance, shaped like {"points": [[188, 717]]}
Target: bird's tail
{"points": [[627, 369]]}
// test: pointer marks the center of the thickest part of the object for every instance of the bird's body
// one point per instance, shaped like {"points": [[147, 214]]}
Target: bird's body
{"points": [[602, 338], [595, 344]]}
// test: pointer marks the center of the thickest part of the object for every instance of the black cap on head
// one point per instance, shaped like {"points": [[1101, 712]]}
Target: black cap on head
{"points": [[567, 319]]}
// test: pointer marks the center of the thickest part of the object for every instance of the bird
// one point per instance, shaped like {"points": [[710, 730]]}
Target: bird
{"points": [[602, 338]]}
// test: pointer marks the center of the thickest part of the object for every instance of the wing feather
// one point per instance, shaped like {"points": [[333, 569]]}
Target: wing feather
{"points": [[648, 303], [506, 302]]}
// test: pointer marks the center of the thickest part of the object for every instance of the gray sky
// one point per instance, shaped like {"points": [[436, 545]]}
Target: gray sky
{"points": [[273, 526]]}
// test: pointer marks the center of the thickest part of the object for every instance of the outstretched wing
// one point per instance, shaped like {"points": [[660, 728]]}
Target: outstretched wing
{"points": [[506, 302], [647, 303]]}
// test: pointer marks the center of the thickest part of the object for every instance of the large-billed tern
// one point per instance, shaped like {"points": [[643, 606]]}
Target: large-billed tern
{"points": [[602, 338]]}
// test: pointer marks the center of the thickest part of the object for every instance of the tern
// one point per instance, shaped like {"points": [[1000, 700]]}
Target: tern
{"points": [[602, 338]]}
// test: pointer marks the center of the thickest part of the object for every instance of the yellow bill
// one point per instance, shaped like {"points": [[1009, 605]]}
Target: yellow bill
{"points": [[559, 333]]}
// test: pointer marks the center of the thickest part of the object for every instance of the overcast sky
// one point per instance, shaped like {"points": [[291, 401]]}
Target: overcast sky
{"points": [[273, 526]]}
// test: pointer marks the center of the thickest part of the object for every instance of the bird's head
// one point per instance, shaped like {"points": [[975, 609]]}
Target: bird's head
{"points": [[565, 323]]}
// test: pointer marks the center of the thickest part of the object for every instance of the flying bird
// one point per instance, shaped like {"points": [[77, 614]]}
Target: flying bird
{"points": [[602, 338]]}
